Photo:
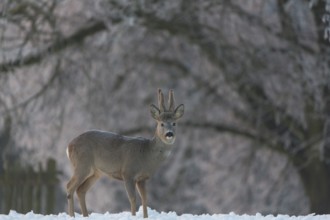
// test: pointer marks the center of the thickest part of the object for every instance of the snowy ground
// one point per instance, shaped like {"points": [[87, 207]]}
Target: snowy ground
{"points": [[159, 216]]}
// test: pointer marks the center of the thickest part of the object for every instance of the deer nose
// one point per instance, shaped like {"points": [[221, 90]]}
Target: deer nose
{"points": [[169, 134]]}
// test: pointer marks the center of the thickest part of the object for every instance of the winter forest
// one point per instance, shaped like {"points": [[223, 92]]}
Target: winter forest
{"points": [[254, 76]]}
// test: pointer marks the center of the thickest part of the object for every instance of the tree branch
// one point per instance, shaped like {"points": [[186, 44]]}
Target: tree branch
{"points": [[236, 131], [42, 90], [89, 29]]}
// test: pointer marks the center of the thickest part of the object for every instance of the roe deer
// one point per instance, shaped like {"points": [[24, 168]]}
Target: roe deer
{"points": [[131, 159]]}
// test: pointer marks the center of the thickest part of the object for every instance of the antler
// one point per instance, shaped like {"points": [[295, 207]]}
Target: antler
{"points": [[161, 104], [171, 101], [161, 101]]}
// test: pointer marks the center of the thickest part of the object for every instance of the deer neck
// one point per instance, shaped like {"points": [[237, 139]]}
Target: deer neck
{"points": [[159, 147]]}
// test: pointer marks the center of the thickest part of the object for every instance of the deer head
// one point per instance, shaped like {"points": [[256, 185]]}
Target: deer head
{"points": [[166, 117]]}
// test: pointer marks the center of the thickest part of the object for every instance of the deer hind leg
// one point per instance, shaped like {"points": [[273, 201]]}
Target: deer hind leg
{"points": [[141, 186], [81, 192], [130, 189], [72, 186], [70, 190]]}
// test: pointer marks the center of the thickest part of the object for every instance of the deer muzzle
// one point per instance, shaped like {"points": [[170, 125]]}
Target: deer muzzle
{"points": [[169, 135]]}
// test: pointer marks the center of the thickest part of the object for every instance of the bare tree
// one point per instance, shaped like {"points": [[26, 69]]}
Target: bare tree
{"points": [[261, 68]]}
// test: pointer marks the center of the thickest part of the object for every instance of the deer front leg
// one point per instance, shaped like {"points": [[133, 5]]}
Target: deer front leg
{"points": [[130, 189], [141, 185]]}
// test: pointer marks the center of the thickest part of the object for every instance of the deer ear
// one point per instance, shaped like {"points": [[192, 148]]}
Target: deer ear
{"points": [[155, 112], [178, 112]]}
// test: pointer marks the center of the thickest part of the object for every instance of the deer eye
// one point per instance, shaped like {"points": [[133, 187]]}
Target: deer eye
{"points": [[173, 124], [162, 124]]}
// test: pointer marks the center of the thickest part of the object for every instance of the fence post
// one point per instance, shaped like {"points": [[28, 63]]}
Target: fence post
{"points": [[38, 190], [29, 189], [8, 192], [51, 177]]}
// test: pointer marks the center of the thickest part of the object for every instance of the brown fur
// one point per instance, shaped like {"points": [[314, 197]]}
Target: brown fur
{"points": [[130, 159]]}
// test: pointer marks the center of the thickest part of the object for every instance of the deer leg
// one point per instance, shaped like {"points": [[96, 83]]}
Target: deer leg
{"points": [[130, 189], [81, 192], [70, 190], [141, 186], [72, 186]]}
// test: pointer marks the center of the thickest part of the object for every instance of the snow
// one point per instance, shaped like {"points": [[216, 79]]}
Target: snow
{"points": [[13, 215]]}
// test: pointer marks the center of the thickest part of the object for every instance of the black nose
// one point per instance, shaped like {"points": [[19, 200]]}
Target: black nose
{"points": [[169, 134]]}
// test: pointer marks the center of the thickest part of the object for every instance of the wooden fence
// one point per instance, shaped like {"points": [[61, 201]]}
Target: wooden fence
{"points": [[25, 189]]}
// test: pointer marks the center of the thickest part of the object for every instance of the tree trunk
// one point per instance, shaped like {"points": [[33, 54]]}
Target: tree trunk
{"points": [[315, 176]]}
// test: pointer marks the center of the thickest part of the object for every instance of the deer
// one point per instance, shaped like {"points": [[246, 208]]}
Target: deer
{"points": [[132, 160]]}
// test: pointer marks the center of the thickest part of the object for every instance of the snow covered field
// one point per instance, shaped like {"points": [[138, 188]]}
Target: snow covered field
{"points": [[159, 216]]}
